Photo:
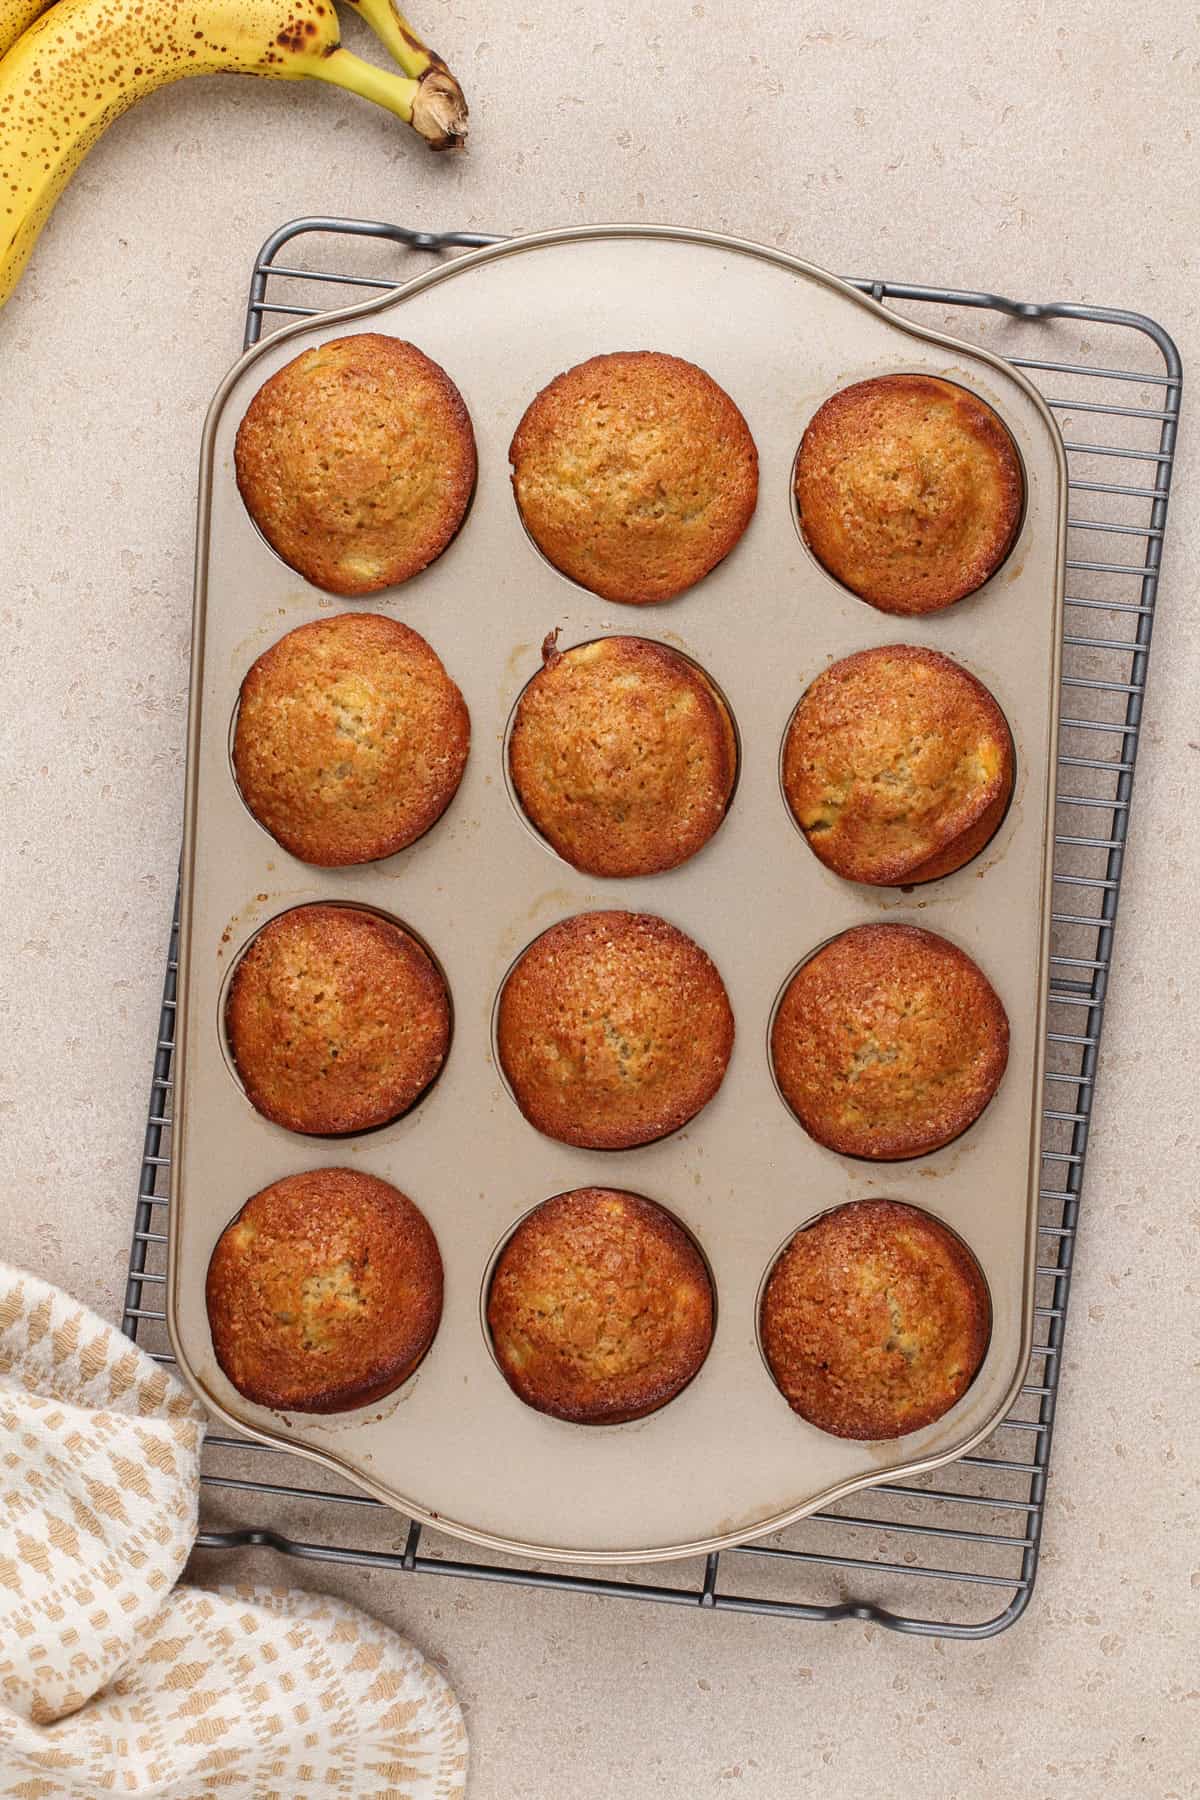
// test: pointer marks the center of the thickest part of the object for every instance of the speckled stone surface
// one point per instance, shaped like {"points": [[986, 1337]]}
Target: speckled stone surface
{"points": [[1044, 151]]}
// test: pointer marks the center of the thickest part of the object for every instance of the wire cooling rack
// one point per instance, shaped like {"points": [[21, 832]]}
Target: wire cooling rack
{"points": [[955, 1553]]}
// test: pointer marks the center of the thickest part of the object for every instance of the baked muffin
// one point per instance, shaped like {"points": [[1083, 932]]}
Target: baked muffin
{"points": [[888, 1042], [600, 1307], [875, 1320], [337, 1020], [351, 739], [623, 755], [357, 462], [324, 1292], [898, 766], [909, 491], [635, 474], [613, 1029]]}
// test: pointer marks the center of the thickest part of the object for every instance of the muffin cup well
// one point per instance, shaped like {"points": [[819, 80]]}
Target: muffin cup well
{"points": [[729, 506], [847, 1155], [807, 1225], [374, 595], [330, 785], [843, 587], [381, 1256], [223, 1016], [581, 644], [277, 454], [485, 1290], [591, 1144], [903, 887]]}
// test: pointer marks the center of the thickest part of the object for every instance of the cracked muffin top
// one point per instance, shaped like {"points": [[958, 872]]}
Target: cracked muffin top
{"points": [[635, 474], [324, 1292], [623, 756], [909, 491], [898, 766], [351, 739], [875, 1320], [337, 1020], [356, 461], [613, 1029], [888, 1042], [600, 1307]]}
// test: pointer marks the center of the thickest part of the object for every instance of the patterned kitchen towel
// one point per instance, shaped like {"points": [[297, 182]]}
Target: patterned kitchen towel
{"points": [[113, 1681]]}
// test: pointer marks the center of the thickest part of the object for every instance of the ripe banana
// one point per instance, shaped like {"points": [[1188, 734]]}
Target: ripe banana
{"points": [[84, 62], [15, 17]]}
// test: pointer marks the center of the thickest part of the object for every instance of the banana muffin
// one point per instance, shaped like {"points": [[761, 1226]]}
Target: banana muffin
{"points": [[324, 1292], [351, 739], [357, 462], [337, 1020], [600, 1307], [898, 766], [623, 755], [888, 1042], [612, 1030], [875, 1320], [635, 474], [909, 491]]}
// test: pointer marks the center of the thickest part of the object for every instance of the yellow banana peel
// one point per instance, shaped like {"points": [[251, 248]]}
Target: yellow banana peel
{"points": [[17, 16], [82, 63]]}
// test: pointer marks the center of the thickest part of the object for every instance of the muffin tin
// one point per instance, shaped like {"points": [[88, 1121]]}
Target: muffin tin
{"points": [[726, 1460]]}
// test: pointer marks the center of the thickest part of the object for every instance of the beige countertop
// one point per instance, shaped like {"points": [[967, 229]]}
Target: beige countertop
{"points": [[1041, 151]]}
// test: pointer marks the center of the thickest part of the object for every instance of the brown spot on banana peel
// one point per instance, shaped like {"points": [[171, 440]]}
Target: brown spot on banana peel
{"points": [[16, 16], [84, 62]]}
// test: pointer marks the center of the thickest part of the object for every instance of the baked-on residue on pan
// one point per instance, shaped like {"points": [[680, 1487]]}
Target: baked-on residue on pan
{"points": [[623, 755], [875, 1320], [888, 1042], [635, 474], [909, 491], [898, 766], [337, 1020], [613, 1029], [351, 739], [356, 461], [600, 1307], [324, 1292]]}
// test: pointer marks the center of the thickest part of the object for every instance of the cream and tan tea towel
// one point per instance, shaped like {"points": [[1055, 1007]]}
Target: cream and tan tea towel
{"points": [[113, 1681]]}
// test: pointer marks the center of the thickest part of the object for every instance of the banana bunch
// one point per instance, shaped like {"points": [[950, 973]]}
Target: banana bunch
{"points": [[68, 69]]}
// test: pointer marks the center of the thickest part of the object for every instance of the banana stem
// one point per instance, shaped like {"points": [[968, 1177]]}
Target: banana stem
{"points": [[431, 103], [440, 110], [397, 35], [357, 76]]}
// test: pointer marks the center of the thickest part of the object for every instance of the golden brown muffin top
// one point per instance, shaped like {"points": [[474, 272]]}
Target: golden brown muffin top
{"points": [[635, 474], [337, 1020], [875, 1320], [356, 461], [351, 739], [324, 1292], [613, 1029], [888, 1042], [897, 765], [910, 491], [600, 1307], [623, 755]]}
